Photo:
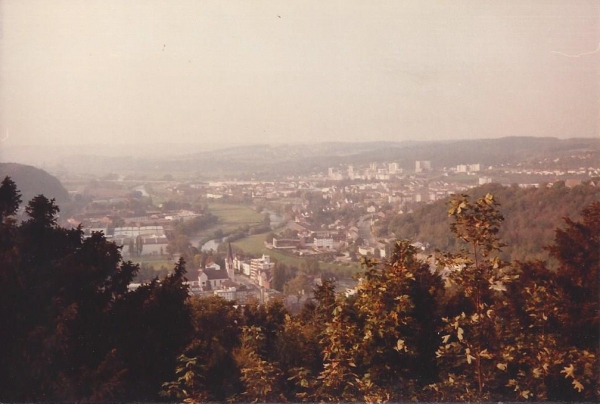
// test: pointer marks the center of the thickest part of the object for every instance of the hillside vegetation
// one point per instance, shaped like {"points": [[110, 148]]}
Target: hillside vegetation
{"points": [[532, 215]]}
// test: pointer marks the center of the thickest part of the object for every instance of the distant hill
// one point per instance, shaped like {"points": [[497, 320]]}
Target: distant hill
{"points": [[307, 158], [32, 181], [531, 217], [272, 161]]}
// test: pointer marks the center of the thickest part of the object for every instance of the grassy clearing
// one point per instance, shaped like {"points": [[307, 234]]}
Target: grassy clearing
{"points": [[252, 244], [231, 217], [235, 214]]}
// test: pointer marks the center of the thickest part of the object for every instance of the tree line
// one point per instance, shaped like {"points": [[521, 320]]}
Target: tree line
{"points": [[464, 325]]}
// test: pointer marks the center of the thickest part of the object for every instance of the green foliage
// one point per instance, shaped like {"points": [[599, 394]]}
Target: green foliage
{"points": [[282, 274], [181, 244], [269, 237], [509, 339], [42, 212], [147, 273], [301, 284], [531, 215], [190, 382], [207, 370], [310, 267], [261, 378], [372, 344], [576, 248]]}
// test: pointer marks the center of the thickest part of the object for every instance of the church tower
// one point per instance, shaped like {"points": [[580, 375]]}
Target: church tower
{"points": [[229, 263]]}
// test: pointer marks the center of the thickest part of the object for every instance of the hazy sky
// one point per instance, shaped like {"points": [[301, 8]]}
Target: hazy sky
{"points": [[296, 70]]}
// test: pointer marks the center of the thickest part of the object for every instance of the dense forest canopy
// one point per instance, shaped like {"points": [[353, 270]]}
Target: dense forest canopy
{"points": [[472, 327]]}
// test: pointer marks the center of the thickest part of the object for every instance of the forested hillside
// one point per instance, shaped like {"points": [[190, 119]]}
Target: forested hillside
{"points": [[476, 328], [531, 217]]}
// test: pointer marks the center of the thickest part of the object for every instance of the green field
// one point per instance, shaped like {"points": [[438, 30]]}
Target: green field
{"points": [[252, 244], [255, 245], [231, 217], [236, 215]]}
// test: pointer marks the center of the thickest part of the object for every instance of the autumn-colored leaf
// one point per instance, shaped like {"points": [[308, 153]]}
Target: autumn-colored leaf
{"points": [[568, 371], [578, 386]]}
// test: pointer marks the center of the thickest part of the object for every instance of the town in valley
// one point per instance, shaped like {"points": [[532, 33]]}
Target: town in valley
{"points": [[255, 239]]}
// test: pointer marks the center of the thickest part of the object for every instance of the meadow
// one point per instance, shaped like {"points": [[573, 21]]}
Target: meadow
{"points": [[231, 217]]}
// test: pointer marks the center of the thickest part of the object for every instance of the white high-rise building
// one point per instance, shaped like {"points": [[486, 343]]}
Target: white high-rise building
{"points": [[422, 165], [485, 180], [394, 168], [351, 172]]}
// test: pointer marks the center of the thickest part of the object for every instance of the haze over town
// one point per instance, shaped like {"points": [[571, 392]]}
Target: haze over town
{"points": [[223, 73]]}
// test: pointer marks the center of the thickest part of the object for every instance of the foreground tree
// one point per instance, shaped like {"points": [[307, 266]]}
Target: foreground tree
{"points": [[10, 199], [68, 314], [576, 248], [555, 352], [375, 345], [476, 280], [207, 370], [511, 336]]}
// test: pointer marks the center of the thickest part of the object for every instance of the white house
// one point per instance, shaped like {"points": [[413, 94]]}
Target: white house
{"points": [[212, 278], [323, 243], [259, 265]]}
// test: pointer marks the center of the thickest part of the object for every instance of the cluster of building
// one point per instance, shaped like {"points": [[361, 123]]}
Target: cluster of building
{"points": [[256, 285], [467, 168], [371, 192], [145, 240], [113, 216], [375, 171], [259, 270]]}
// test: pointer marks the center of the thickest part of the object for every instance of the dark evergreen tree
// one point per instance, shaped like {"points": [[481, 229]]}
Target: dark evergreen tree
{"points": [[209, 356], [67, 314], [10, 199], [151, 327]]}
